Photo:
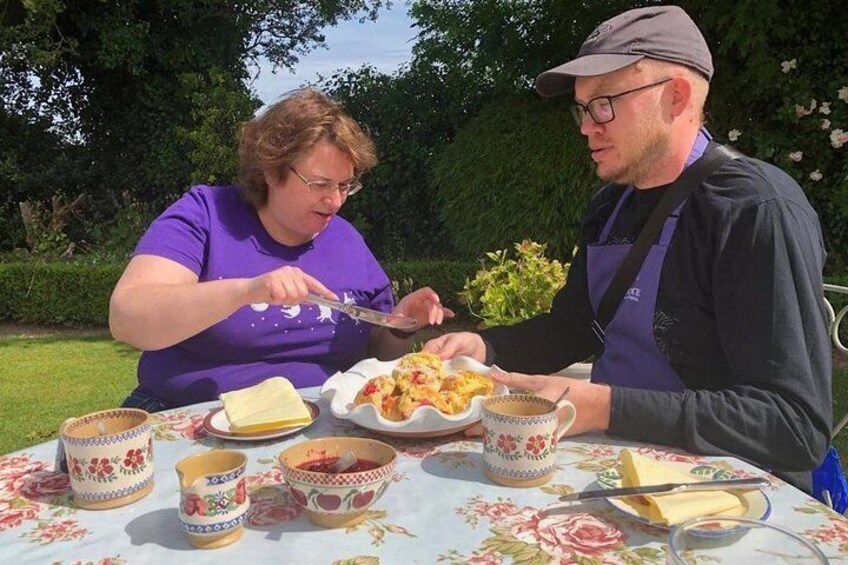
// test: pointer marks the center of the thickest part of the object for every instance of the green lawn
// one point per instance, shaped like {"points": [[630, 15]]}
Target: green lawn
{"points": [[48, 379]]}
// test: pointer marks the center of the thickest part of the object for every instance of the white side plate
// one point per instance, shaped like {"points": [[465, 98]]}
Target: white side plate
{"points": [[216, 424], [756, 503]]}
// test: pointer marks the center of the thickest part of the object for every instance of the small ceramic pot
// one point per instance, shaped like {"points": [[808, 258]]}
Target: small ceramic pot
{"points": [[213, 497], [520, 435], [337, 500], [109, 456]]}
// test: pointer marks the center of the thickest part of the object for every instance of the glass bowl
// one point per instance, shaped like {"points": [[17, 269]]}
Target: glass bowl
{"points": [[731, 540]]}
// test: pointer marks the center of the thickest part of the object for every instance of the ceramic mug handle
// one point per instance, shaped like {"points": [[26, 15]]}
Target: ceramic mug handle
{"points": [[567, 421], [61, 464]]}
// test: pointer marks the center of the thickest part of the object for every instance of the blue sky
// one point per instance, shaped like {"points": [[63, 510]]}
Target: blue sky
{"points": [[384, 44]]}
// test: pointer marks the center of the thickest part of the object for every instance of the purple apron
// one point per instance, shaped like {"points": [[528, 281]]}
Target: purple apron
{"points": [[631, 357]]}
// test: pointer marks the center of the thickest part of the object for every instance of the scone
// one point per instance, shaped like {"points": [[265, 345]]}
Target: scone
{"points": [[376, 391], [419, 370], [416, 397], [468, 384], [390, 409], [454, 403]]}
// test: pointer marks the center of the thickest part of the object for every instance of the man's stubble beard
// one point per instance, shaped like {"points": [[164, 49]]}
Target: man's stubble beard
{"points": [[652, 150]]}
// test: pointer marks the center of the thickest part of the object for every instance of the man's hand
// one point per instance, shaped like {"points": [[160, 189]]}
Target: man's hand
{"points": [[461, 343], [591, 401]]}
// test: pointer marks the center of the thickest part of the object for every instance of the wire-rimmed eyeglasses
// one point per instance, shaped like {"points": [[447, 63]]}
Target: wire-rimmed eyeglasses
{"points": [[601, 108], [325, 187]]}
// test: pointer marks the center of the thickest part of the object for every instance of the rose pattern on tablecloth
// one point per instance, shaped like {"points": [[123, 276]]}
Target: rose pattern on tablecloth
{"points": [[359, 560], [594, 458], [30, 494], [557, 489], [670, 454], [104, 561], [423, 451], [454, 459], [527, 536], [832, 535], [179, 423], [375, 523], [15, 511], [273, 476], [59, 530], [34, 497], [453, 557]]}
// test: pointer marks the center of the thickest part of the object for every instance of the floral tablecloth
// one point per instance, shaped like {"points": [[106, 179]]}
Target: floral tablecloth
{"points": [[439, 509]]}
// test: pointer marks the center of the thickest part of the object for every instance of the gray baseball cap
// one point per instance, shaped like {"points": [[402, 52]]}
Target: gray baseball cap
{"points": [[666, 33]]}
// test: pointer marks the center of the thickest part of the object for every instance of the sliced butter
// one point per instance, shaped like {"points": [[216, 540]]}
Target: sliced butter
{"points": [[670, 509], [270, 405]]}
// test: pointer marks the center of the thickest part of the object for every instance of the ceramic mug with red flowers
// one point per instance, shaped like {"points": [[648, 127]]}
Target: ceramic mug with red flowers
{"points": [[109, 456], [213, 497], [520, 435]]}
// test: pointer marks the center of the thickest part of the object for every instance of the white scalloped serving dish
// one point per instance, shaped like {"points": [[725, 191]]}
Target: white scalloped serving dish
{"points": [[341, 390]]}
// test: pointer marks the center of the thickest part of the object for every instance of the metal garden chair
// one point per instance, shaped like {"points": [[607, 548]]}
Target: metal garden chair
{"points": [[829, 482]]}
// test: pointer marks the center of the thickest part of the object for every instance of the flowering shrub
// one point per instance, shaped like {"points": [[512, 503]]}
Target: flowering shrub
{"points": [[819, 119], [779, 94], [508, 290], [815, 147], [817, 115]]}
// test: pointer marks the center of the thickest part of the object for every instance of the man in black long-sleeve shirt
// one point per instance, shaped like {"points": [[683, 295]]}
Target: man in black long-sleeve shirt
{"points": [[721, 344]]}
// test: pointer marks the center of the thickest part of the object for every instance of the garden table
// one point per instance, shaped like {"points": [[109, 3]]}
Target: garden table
{"points": [[439, 508]]}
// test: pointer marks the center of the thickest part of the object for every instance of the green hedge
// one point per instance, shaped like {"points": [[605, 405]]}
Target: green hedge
{"points": [[69, 294], [63, 294], [445, 277], [518, 170]]}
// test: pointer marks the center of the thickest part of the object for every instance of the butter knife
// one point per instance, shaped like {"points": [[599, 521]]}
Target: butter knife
{"points": [[667, 488], [365, 314]]}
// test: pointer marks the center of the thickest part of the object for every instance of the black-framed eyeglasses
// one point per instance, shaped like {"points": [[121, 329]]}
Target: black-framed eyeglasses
{"points": [[325, 187], [601, 108]]}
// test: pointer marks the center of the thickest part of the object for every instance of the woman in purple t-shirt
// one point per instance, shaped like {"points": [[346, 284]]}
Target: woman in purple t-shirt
{"points": [[214, 293]]}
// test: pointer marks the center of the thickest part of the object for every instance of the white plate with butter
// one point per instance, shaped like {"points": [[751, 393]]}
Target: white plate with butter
{"points": [[755, 503], [216, 424]]}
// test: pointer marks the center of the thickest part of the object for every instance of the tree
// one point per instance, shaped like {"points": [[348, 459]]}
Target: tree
{"points": [[781, 87], [486, 49], [409, 116], [132, 90], [466, 55]]}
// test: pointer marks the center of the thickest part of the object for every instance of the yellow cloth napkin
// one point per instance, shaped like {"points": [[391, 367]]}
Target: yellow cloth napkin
{"points": [[270, 405], [671, 509]]}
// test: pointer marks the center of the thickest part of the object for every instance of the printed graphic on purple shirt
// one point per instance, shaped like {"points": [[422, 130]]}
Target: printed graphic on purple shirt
{"points": [[218, 236]]}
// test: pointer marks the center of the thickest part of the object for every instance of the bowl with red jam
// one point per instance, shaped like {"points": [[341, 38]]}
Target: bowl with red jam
{"points": [[337, 499]]}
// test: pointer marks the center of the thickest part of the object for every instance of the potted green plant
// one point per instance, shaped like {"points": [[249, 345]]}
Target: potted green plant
{"points": [[510, 288]]}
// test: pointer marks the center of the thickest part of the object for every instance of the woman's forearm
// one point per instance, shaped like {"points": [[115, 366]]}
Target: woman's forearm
{"points": [[155, 316]]}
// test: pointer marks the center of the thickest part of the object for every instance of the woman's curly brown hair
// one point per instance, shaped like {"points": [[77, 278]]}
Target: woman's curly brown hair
{"points": [[287, 130]]}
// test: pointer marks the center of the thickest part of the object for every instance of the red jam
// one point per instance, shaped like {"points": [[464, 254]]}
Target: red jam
{"points": [[328, 465]]}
